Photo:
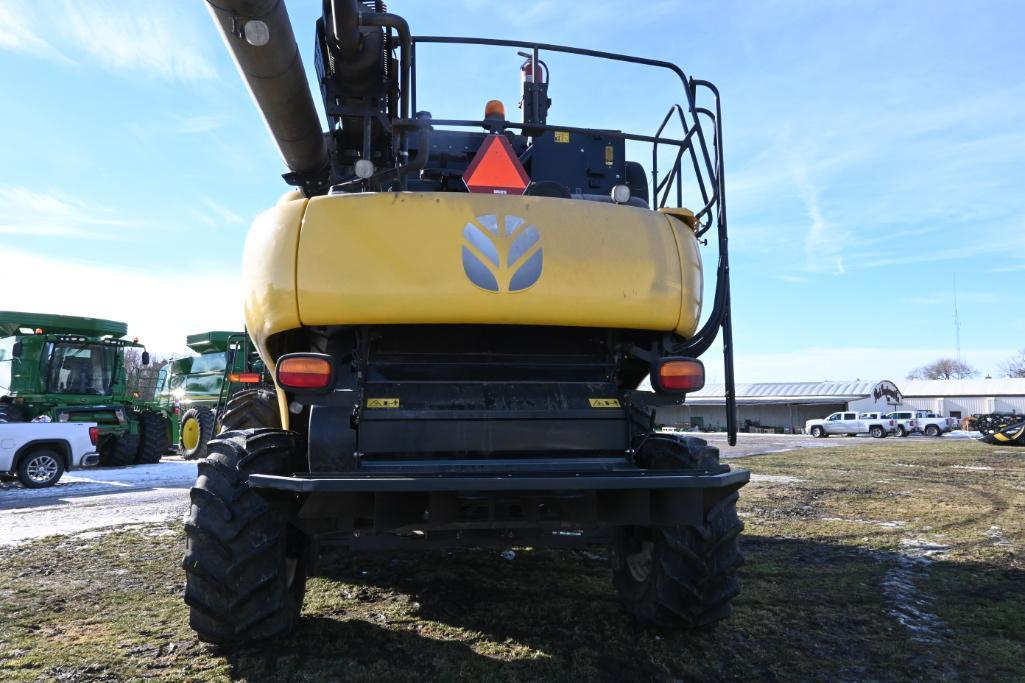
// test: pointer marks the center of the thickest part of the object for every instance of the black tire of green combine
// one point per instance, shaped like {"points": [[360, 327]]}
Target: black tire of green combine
{"points": [[250, 409], [691, 574], [11, 413], [206, 420], [119, 451], [245, 567], [155, 437]]}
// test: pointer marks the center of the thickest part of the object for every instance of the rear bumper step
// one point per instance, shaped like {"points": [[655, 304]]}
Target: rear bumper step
{"points": [[591, 481]]}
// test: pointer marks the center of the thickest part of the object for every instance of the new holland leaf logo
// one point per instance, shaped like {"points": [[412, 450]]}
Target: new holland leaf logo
{"points": [[502, 253]]}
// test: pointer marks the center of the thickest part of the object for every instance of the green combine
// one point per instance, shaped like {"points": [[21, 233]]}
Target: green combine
{"points": [[73, 369], [224, 387]]}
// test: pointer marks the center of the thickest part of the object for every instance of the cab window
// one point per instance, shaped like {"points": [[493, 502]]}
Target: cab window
{"points": [[850, 416], [80, 369], [209, 362], [834, 417], [6, 361]]}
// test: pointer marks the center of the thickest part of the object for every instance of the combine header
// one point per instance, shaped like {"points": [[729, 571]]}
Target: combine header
{"points": [[458, 313]]}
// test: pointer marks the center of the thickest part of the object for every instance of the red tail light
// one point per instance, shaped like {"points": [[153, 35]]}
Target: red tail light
{"points": [[305, 371], [94, 434], [678, 375], [245, 377]]}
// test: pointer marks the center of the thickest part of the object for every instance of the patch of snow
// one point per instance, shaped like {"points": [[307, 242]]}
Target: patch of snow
{"points": [[961, 434], [93, 534], [920, 549], [875, 522], [89, 513], [995, 534], [904, 464], [775, 478], [907, 604], [95, 479], [972, 468]]}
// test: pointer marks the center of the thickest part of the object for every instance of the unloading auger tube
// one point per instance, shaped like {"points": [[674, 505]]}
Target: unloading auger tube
{"points": [[259, 36]]}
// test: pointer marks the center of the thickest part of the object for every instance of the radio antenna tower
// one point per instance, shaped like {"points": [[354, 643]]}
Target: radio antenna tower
{"points": [[957, 322]]}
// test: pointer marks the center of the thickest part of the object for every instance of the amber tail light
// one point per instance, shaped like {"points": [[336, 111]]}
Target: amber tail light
{"points": [[677, 375], [305, 371]]}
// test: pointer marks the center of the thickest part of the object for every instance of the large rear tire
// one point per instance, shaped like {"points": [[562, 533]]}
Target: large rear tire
{"points": [[11, 413], [155, 438], [197, 429], [251, 409], [119, 451], [245, 567], [933, 430], [680, 576]]}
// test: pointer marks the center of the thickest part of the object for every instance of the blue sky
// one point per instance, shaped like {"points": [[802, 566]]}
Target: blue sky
{"points": [[875, 151]]}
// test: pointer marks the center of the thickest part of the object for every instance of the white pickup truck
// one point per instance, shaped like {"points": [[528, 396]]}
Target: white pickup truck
{"points": [[38, 453], [925, 421], [851, 423]]}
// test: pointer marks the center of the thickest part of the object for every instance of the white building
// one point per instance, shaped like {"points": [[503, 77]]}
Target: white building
{"points": [[964, 397], [788, 405]]}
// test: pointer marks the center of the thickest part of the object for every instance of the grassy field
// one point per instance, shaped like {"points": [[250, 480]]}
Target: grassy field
{"points": [[893, 561]]}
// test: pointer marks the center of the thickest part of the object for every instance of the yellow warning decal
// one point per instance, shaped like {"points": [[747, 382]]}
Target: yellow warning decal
{"points": [[562, 136], [604, 402], [610, 155], [382, 403]]}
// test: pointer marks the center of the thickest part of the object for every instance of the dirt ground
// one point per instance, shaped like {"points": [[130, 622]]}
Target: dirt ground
{"points": [[892, 560]]}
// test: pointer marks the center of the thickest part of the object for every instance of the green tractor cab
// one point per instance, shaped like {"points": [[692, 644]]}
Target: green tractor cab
{"points": [[222, 387], [75, 369]]}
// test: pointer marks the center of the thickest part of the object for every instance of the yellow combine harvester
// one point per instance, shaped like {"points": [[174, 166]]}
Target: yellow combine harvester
{"points": [[458, 314]]}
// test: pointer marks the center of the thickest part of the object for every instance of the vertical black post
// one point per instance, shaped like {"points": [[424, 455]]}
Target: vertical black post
{"points": [[535, 104]]}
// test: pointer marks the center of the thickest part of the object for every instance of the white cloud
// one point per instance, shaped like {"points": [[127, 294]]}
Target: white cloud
{"points": [[51, 212], [866, 363], [18, 34], [223, 214], [145, 298], [1008, 269], [201, 124], [823, 244], [156, 39]]}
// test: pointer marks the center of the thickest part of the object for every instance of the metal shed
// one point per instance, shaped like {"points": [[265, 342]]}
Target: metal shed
{"points": [[772, 405], [964, 397]]}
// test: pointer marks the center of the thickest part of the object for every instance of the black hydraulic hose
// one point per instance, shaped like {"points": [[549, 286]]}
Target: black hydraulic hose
{"points": [[396, 22]]}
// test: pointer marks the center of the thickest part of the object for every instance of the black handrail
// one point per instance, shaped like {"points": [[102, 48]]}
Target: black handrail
{"points": [[706, 164]]}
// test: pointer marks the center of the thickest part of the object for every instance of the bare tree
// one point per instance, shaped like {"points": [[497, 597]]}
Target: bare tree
{"points": [[1015, 365], [944, 368]]}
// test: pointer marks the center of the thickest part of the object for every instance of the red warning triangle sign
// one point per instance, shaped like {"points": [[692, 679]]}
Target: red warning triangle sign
{"points": [[495, 169]]}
